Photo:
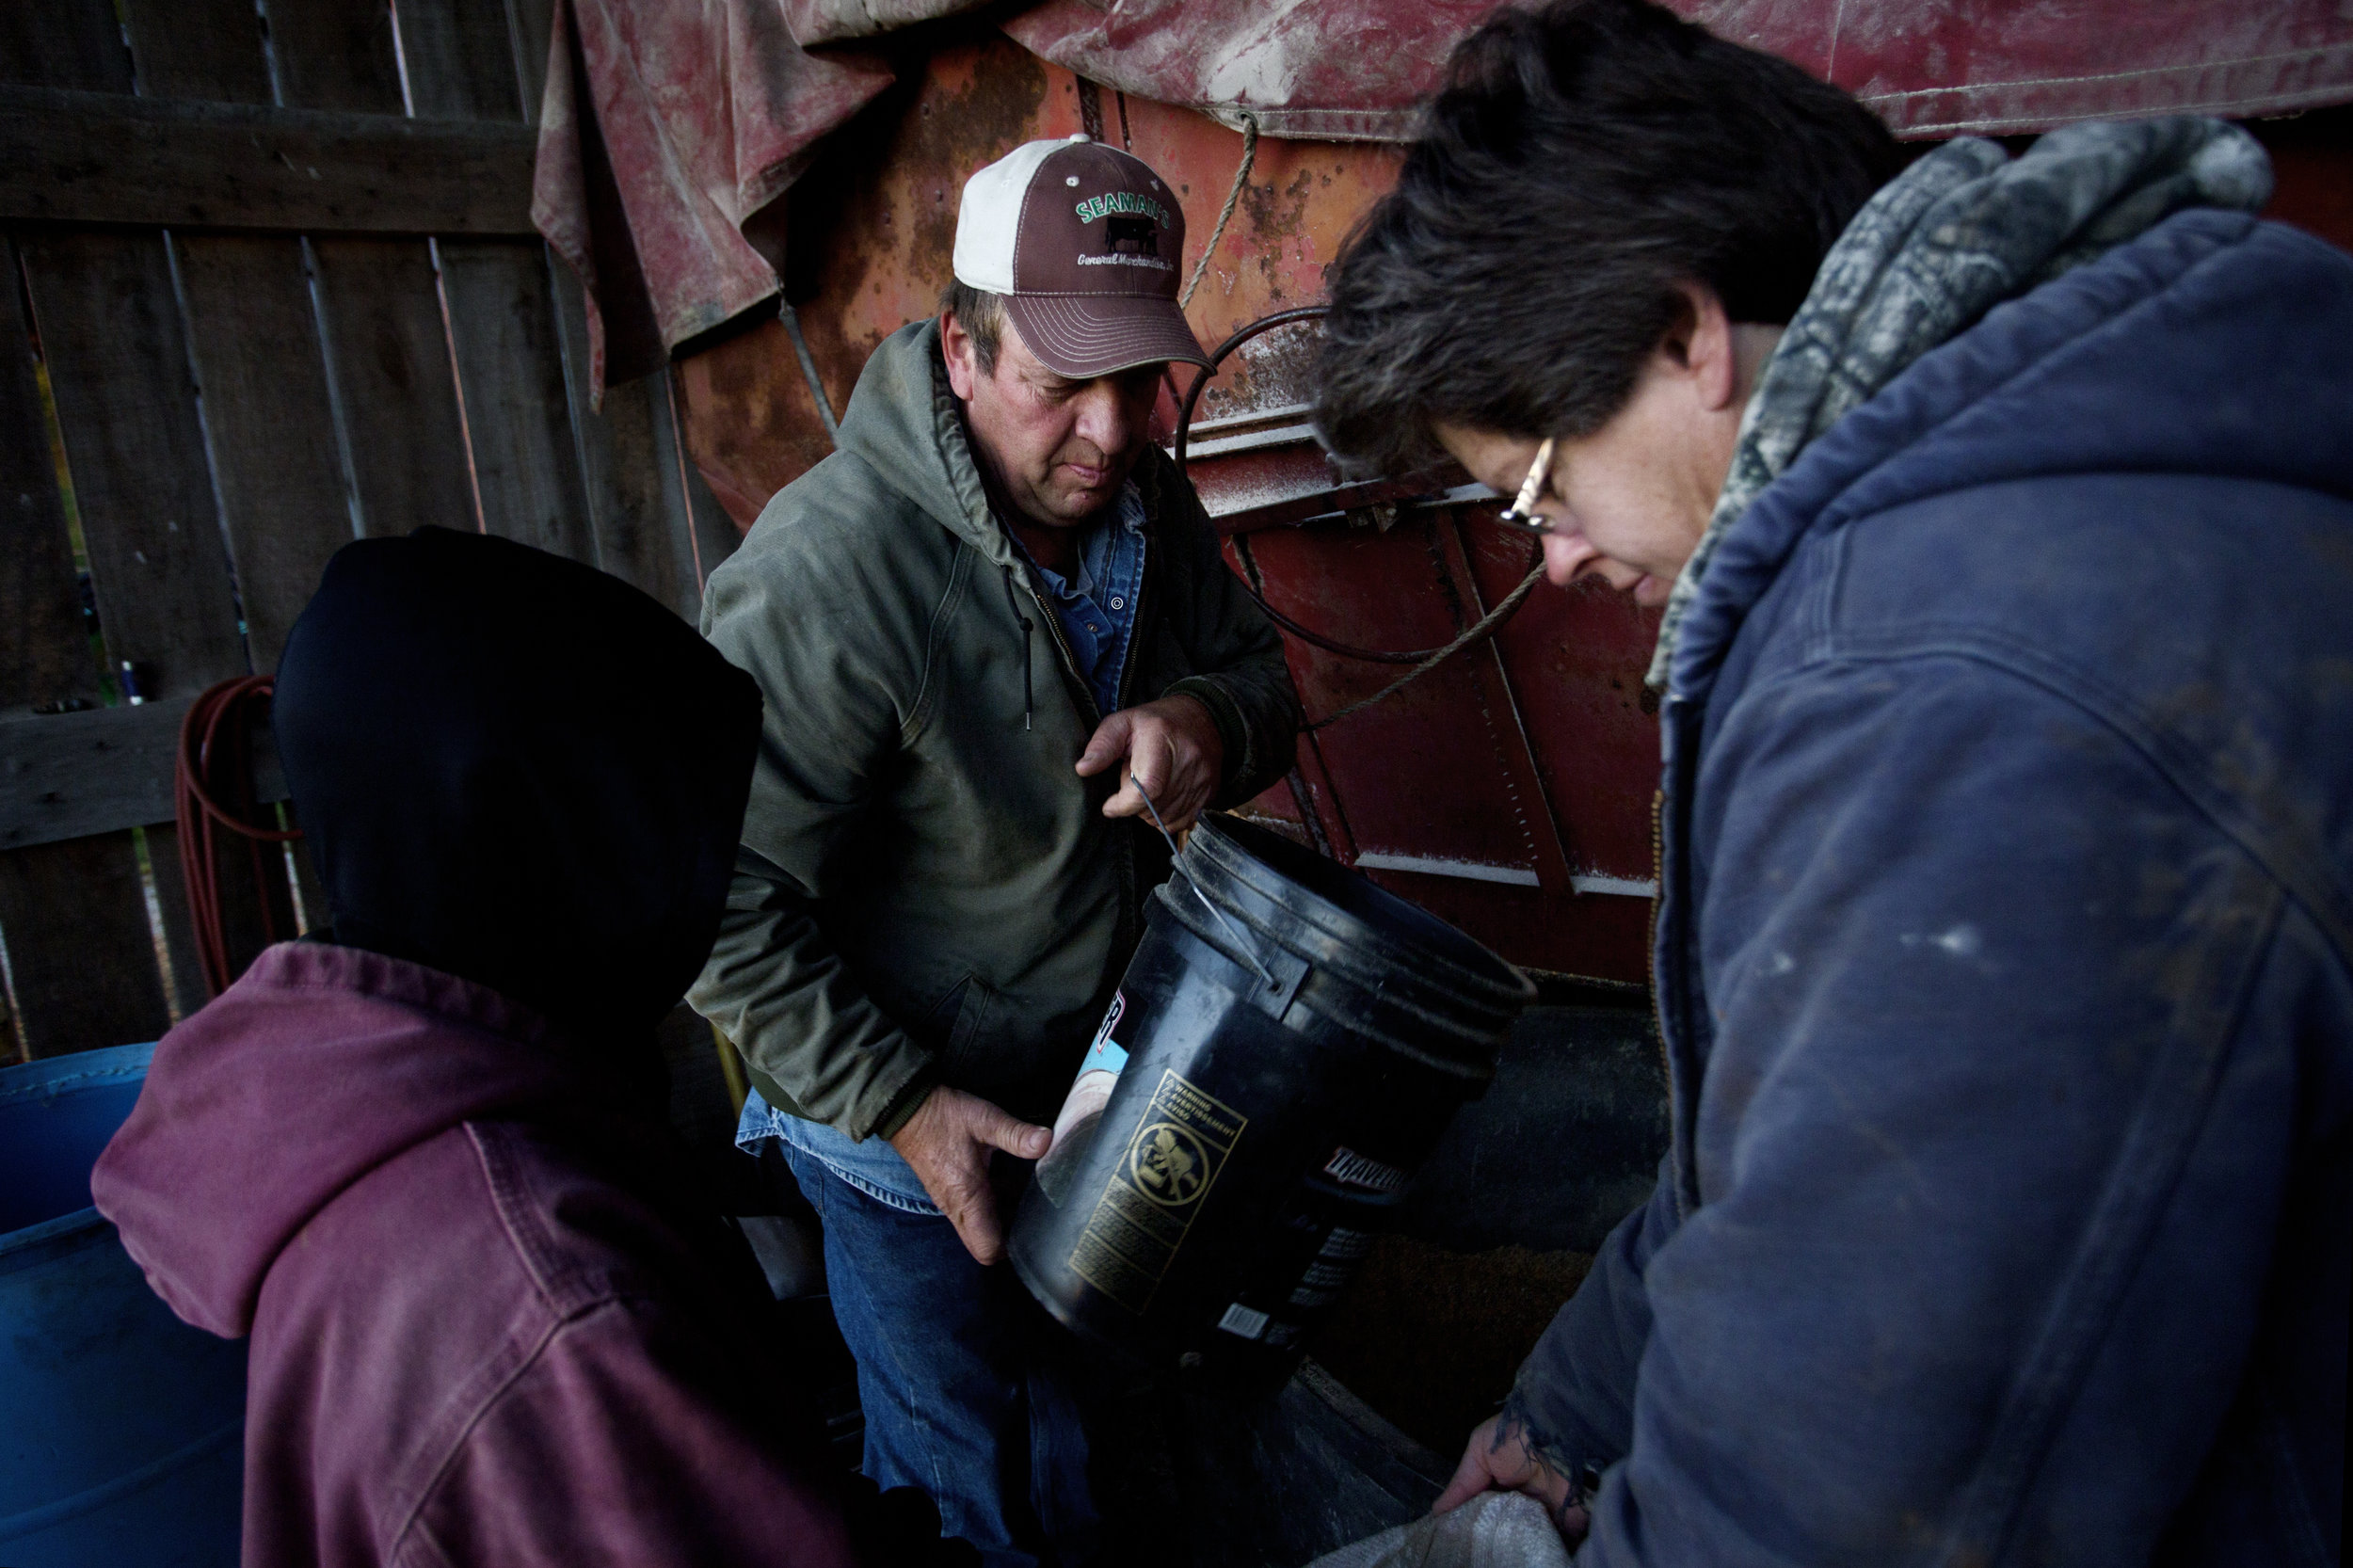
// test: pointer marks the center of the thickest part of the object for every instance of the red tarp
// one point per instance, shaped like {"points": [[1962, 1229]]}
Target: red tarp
{"points": [[708, 111], [667, 130]]}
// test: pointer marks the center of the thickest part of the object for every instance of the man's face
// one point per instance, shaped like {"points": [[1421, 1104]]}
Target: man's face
{"points": [[1629, 503], [1057, 450], [1612, 501]]}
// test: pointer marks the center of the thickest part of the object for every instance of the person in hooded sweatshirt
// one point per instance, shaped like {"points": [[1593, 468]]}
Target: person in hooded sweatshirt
{"points": [[422, 1162]]}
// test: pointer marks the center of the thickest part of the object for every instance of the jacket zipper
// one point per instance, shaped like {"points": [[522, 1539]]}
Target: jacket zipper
{"points": [[1029, 699], [1053, 629], [1070, 661]]}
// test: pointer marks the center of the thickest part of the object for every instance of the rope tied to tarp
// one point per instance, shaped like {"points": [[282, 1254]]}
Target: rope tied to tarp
{"points": [[1486, 627], [1225, 213]]}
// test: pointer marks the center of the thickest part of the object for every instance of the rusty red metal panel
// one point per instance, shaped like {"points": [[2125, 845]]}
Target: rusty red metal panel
{"points": [[1508, 788], [2312, 160]]}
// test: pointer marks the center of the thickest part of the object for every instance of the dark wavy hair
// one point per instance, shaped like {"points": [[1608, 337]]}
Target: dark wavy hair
{"points": [[1582, 159]]}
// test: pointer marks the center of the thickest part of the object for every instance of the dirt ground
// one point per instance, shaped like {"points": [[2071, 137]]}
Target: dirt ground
{"points": [[1431, 1338]]}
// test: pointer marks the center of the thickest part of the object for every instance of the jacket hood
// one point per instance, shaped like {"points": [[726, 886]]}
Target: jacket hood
{"points": [[518, 769], [1961, 230], [2209, 345], [904, 422], [318, 1065]]}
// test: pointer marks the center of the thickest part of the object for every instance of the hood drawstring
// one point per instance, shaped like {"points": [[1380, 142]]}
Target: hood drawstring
{"points": [[1012, 601]]}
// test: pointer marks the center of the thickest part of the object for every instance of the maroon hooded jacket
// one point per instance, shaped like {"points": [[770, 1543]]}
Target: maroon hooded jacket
{"points": [[481, 1331]]}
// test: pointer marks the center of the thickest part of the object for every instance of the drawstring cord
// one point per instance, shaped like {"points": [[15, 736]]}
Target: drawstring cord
{"points": [[1013, 602]]}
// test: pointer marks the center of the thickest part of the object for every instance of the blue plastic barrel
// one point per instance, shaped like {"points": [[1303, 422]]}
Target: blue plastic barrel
{"points": [[121, 1428]]}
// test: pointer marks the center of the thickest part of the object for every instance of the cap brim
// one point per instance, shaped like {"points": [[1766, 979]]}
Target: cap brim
{"points": [[1086, 335]]}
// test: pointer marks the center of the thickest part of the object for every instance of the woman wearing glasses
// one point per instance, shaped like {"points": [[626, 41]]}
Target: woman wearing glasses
{"points": [[2001, 510]]}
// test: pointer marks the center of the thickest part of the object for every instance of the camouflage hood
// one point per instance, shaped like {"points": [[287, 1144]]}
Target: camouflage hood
{"points": [[1957, 234]]}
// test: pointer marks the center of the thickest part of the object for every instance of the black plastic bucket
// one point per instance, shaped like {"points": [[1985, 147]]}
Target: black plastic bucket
{"points": [[1286, 1046]]}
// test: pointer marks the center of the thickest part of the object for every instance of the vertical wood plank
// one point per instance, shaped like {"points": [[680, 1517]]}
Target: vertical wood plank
{"points": [[116, 351], [657, 525], [63, 43], [503, 310], [199, 49], [511, 375], [46, 656], [111, 330], [73, 915], [252, 338], [635, 514], [461, 64], [80, 951], [281, 499], [378, 303], [390, 351], [530, 24], [335, 54], [315, 913], [80, 956], [633, 502], [270, 418]]}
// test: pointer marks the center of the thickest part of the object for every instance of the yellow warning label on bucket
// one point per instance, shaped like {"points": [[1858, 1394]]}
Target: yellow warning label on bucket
{"points": [[1152, 1197]]}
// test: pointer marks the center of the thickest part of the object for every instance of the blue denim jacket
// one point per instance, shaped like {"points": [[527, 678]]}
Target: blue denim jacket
{"points": [[2005, 962], [1097, 606]]}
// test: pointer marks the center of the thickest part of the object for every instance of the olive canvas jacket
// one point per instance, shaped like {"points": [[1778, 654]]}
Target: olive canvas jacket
{"points": [[927, 893]]}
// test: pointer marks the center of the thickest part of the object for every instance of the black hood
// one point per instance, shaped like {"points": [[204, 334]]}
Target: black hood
{"points": [[516, 770]]}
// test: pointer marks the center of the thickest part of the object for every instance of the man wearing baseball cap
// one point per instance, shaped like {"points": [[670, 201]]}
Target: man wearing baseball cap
{"points": [[989, 629]]}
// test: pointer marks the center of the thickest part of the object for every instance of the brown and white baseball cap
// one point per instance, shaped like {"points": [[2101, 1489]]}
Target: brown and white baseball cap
{"points": [[1087, 245]]}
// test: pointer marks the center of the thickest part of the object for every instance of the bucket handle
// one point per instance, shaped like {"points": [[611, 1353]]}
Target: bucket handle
{"points": [[1177, 865]]}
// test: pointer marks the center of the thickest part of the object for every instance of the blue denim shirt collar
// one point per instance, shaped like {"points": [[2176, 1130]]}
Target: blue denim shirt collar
{"points": [[1097, 604]]}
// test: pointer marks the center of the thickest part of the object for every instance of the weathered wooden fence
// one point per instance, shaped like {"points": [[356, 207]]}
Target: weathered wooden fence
{"points": [[268, 284]]}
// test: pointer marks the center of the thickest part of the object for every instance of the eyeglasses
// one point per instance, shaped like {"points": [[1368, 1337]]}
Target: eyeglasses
{"points": [[1521, 514]]}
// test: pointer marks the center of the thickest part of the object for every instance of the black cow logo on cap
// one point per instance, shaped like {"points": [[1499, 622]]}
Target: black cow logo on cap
{"points": [[1130, 236]]}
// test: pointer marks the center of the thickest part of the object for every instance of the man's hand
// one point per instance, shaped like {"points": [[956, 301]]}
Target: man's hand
{"points": [[1171, 748], [948, 1141], [1497, 1458]]}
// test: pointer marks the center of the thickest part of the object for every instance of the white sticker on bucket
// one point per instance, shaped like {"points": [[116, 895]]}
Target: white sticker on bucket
{"points": [[1105, 1055], [1098, 1070], [1246, 1321]]}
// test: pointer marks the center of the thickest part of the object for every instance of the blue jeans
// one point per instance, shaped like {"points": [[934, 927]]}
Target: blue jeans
{"points": [[965, 1381]]}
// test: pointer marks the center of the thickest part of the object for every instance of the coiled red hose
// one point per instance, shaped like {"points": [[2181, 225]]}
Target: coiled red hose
{"points": [[213, 782]]}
